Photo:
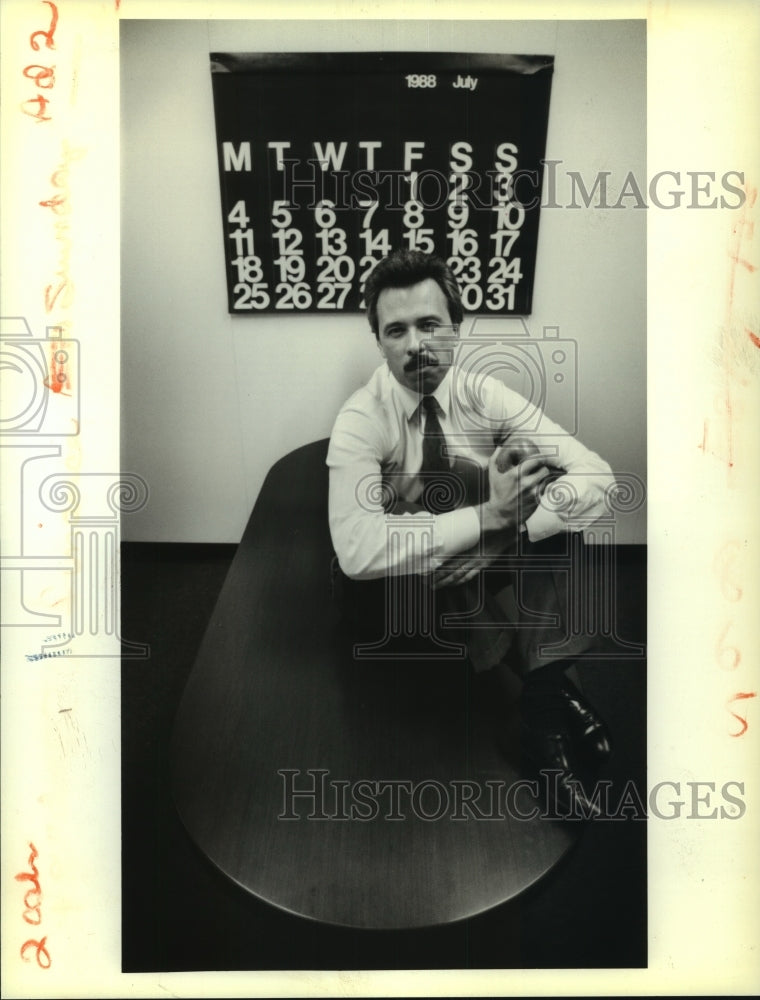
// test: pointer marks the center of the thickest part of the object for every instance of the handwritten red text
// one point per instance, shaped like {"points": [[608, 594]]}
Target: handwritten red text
{"points": [[33, 949], [43, 77]]}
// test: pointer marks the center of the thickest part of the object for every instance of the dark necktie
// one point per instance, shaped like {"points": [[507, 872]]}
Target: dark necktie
{"points": [[439, 488]]}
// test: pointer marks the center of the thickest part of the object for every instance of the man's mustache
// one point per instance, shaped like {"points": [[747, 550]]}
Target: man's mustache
{"points": [[419, 361]]}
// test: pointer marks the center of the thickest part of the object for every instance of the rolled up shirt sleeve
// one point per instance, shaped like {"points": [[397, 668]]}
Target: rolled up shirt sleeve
{"points": [[368, 542]]}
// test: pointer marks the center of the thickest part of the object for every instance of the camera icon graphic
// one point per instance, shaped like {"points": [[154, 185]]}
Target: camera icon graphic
{"points": [[39, 381], [543, 371]]}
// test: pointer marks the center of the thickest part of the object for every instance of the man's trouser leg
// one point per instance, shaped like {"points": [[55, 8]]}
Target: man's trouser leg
{"points": [[530, 612]]}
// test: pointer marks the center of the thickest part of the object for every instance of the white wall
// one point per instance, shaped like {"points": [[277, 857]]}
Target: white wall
{"points": [[210, 401]]}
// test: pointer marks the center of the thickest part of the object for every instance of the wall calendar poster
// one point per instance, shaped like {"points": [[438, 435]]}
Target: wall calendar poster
{"points": [[327, 162]]}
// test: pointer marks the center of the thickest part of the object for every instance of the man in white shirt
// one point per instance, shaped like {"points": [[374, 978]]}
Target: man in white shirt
{"points": [[435, 481]]}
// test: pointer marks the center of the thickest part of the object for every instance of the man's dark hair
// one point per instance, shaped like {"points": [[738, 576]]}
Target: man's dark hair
{"points": [[404, 268]]}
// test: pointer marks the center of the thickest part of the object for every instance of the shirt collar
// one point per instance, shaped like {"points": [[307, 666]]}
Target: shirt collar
{"points": [[410, 400]]}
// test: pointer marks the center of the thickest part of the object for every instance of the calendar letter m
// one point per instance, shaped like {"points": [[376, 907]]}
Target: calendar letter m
{"points": [[239, 159]]}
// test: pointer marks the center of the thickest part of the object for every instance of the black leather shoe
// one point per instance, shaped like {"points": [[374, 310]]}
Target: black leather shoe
{"points": [[590, 731], [550, 757]]}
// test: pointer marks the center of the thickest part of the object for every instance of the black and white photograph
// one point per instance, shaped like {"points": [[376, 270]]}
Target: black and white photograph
{"points": [[383, 355], [378, 422]]}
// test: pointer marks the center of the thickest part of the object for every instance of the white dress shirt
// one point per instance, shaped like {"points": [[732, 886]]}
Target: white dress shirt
{"points": [[377, 440]]}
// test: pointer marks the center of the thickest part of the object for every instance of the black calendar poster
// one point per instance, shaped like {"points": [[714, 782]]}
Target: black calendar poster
{"points": [[327, 162]]}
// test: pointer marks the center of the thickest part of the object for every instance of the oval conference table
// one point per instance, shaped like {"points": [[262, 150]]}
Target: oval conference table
{"points": [[364, 793]]}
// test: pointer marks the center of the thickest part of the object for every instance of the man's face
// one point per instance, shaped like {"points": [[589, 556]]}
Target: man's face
{"points": [[406, 321]]}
